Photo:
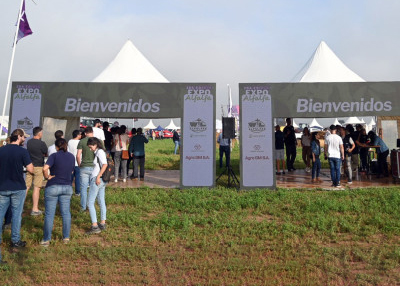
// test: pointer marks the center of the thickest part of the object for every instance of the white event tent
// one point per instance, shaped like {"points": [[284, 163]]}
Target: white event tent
{"points": [[336, 122], [130, 65], [315, 124], [353, 120], [172, 125], [150, 125], [325, 66]]}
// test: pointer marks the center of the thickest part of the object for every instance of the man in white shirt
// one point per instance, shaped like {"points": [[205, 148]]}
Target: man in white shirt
{"points": [[73, 149], [335, 152], [52, 149], [97, 131]]}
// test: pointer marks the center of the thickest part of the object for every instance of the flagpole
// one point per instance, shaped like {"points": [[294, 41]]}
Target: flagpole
{"points": [[229, 101], [11, 65]]}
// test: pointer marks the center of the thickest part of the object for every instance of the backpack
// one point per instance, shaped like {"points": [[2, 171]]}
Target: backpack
{"points": [[110, 169]]}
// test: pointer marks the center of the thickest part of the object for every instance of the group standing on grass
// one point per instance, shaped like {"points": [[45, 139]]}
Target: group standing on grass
{"points": [[83, 159], [344, 148]]}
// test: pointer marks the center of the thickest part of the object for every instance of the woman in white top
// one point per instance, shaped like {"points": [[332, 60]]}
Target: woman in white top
{"points": [[97, 186], [306, 145], [121, 141]]}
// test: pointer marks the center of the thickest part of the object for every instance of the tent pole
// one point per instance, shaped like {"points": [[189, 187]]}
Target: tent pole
{"points": [[11, 66]]}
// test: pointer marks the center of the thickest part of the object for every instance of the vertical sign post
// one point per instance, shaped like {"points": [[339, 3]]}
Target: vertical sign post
{"points": [[26, 107], [198, 133], [257, 137]]}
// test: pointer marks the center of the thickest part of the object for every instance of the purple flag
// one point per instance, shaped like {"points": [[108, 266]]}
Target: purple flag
{"points": [[24, 29]]}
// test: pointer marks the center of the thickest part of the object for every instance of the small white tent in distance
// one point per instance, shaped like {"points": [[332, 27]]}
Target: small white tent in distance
{"points": [[353, 120], [172, 126], [150, 125]]}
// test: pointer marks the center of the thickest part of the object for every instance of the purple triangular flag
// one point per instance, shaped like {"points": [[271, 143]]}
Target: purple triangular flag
{"points": [[24, 29]]}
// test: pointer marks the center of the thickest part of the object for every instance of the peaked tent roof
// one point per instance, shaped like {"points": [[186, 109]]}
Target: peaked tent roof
{"points": [[372, 122], [325, 66], [150, 125], [353, 120], [336, 122], [314, 123], [130, 65], [172, 125]]}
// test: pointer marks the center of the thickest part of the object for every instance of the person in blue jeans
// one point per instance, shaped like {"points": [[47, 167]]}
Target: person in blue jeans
{"points": [[176, 139], [12, 184], [335, 152], [97, 186], [58, 190], [73, 149], [315, 152], [137, 151], [84, 159]]}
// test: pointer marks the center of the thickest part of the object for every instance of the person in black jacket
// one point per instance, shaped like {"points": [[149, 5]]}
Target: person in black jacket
{"points": [[290, 143], [176, 140]]}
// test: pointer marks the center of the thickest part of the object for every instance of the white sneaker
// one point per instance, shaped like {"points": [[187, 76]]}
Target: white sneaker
{"points": [[116, 180]]}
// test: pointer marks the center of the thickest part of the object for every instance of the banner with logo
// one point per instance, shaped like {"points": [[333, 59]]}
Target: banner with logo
{"points": [[26, 102], [198, 130], [257, 137]]}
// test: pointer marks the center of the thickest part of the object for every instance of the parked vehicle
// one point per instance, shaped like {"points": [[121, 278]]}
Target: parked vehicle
{"points": [[166, 134]]}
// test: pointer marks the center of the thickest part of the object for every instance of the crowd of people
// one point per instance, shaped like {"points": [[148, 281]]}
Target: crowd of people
{"points": [[83, 160], [345, 148]]}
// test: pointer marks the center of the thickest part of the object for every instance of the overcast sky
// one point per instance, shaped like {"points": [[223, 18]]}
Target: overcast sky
{"points": [[220, 41]]}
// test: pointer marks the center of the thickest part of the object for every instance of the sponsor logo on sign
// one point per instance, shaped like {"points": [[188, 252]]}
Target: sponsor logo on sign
{"points": [[197, 147], [25, 124], [198, 126], [257, 147], [256, 94], [256, 126], [27, 92], [198, 93]]}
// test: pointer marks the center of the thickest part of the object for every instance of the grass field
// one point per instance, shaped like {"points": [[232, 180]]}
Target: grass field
{"points": [[218, 237], [159, 155]]}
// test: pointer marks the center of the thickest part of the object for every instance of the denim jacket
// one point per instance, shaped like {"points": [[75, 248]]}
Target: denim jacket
{"points": [[315, 148]]}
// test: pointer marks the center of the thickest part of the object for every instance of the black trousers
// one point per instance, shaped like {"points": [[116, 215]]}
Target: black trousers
{"points": [[363, 158], [382, 163], [227, 151], [290, 156]]}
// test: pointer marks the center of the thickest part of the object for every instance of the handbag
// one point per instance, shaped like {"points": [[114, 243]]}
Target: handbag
{"points": [[125, 153]]}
